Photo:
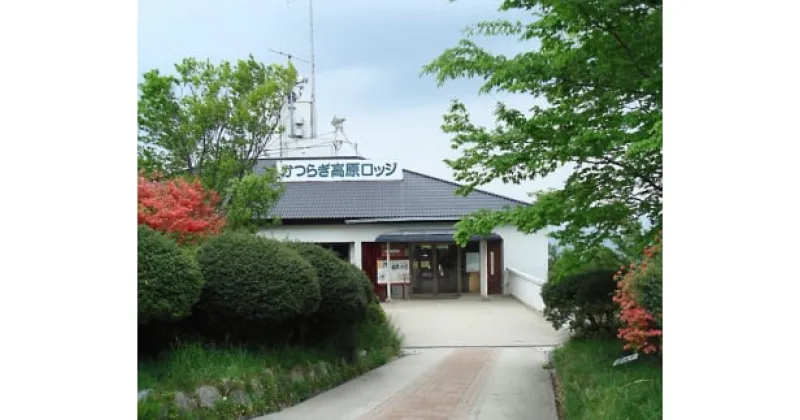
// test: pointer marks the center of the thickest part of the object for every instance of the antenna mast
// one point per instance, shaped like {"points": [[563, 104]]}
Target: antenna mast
{"points": [[313, 71]]}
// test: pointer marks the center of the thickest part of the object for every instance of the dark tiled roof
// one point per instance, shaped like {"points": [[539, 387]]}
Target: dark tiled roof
{"points": [[417, 196]]}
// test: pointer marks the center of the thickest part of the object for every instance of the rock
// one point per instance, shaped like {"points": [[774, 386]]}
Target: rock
{"points": [[208, 396], [297, 374], [240, 397], [184, 402], [323, 369], [311, 373], [258, 389], [143, 394], [227, 385]]}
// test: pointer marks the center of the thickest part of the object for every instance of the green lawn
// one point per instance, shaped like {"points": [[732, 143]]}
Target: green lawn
{"points": [[591, 389]]}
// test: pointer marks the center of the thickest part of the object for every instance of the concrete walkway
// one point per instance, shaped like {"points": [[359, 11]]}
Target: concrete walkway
{"points": [[467, 359], [468, 321]]}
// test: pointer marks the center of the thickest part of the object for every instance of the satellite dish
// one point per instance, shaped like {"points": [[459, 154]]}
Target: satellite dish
{"points": [[337, 122]]}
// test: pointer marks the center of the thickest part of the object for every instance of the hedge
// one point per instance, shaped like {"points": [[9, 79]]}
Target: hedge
{"points": [[251, 278], [169, 279], [364, 281], [583, 301], [342, 293]]}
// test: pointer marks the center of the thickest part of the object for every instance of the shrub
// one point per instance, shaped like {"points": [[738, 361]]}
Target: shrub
{"points": [[582, 301], [570, 262], [648, 287], [342, 293], [363, 280], [252, 278], [169, 279], [376, 314], [179, 208], [638, 295]]}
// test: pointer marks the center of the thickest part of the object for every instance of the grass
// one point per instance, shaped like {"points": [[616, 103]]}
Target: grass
{"points": [[269, 369], [591, 389]]}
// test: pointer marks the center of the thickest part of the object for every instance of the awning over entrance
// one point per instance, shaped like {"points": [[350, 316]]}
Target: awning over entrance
{"points": [[428, 235]]}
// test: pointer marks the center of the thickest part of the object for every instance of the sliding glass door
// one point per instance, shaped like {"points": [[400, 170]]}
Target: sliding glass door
{"points": [[434, 269]]}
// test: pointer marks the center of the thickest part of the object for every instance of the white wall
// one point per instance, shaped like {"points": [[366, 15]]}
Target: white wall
{"points": [[525, 253], [526, 288]]}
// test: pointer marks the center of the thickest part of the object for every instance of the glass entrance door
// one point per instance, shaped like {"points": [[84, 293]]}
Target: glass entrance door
{"points": [[434, 269], [447, 272], [423, 279]]}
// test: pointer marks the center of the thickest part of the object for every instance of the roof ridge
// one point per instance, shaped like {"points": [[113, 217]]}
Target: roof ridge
{"points": [[461, 185]]}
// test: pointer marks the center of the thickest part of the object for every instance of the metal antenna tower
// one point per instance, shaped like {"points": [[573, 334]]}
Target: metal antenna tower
{"points": [[289, 56], [313, 71]]}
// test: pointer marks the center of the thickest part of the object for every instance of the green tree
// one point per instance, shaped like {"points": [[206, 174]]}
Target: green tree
{"points": [[213, 122], [599, 70], [250, 200]]}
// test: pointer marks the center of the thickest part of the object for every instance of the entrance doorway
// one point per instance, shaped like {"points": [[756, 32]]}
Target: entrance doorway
{"points": [[435, 270]]}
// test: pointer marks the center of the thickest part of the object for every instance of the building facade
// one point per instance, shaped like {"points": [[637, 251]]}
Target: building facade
{"points": [[361, 209]]}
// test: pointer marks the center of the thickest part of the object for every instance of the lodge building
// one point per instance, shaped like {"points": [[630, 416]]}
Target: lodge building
{"points": [[360, 208]]}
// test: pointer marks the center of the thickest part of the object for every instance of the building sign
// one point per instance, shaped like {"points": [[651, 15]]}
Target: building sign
{"points": [[473, 262], [397, 251], [399, 273], [339, 170]]}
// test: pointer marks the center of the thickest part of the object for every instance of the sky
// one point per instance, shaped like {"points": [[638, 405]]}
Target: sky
{"points": [[369, 56]]}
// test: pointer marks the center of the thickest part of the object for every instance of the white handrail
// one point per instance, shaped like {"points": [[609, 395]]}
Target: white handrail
{"points": [[533, 279]]}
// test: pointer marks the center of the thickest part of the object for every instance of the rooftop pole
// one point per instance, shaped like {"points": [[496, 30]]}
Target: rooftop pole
{"points": [[313, 71]]}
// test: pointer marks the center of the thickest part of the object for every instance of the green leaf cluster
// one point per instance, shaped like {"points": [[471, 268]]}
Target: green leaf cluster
{"points": [[213, 122], [595, 83]]}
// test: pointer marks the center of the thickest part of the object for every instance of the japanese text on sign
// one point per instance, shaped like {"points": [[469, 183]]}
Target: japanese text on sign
{"points": [[339, 170]]}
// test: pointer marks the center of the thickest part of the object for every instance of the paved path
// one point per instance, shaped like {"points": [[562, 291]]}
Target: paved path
{"points": [[468, 321], [466, 365]]}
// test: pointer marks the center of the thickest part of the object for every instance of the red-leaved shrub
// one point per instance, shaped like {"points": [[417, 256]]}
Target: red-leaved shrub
{"points": [[179, 208], [641, 328]]}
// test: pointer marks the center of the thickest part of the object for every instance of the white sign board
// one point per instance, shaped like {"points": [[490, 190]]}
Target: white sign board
{"points": [[327, 170], [399, 273], [473, 262], [626, 359]]}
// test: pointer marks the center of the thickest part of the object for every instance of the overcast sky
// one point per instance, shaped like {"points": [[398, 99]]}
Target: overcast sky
{"points": [[369, 55]]}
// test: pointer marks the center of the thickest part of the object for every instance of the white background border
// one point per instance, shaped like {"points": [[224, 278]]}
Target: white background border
{"points": [[68, 169]]}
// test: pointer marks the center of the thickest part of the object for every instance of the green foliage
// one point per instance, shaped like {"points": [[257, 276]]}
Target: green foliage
{"points": [[582, 301], [571, 262], [597, 78], [366, 285], [342, 293], [376, 314], [631, 240], [252, 278], [250, 200], [190, 365], [589, 387], [648, 288], [169, 279], [213, 122]]}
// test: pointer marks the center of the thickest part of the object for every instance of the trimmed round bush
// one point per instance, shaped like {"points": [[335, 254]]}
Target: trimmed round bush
{"points": [[584, 301], [363, 280], [342, 293], [376, 314], [169, 279], [251, 278]]}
